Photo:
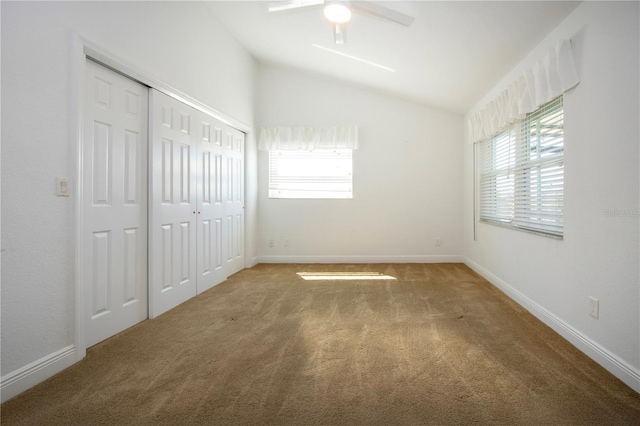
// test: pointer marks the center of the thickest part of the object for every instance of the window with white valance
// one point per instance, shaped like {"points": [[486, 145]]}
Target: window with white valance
{"points": [[521, 145], [310, 162]]}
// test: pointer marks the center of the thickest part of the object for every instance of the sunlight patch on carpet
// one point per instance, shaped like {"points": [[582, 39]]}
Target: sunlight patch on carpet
{"points": [[332, 276]]}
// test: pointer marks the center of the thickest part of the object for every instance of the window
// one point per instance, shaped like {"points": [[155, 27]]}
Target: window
{"points": [[310, 174], [522, 173]]}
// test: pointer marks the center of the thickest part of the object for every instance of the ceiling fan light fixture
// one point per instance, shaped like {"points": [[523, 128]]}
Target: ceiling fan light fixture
{"points": [[338, 13]]}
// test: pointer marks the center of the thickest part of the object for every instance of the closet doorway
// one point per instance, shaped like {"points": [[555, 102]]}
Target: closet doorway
{"points": [[162, 202]]}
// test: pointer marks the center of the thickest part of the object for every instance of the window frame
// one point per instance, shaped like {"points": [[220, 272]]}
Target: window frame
{"points": [[337, 178], [531, 198]]}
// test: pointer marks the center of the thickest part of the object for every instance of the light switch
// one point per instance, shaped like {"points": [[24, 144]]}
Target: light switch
{"points": [[62, 187]]}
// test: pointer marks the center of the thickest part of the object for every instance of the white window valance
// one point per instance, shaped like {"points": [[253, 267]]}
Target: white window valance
{"points": [[308, 138], [551, 76]]}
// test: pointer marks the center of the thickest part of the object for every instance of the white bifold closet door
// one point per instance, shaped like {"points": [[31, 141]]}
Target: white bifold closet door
{"points": [[234, 200], [197, 202], [114, 203]]}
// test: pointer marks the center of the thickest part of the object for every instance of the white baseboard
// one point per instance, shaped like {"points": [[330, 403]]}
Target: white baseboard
{"points": [[38, 371], [619, 368], [361, 259]]}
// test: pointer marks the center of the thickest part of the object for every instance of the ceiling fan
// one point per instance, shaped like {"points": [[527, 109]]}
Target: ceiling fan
{"points": [[338, 12]]}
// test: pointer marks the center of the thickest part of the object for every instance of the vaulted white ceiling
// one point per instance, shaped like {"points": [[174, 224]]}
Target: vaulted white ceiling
{"points": [[452, 54]]}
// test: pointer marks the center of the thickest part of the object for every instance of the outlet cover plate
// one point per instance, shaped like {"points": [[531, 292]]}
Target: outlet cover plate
{"points": [[594, 307]]}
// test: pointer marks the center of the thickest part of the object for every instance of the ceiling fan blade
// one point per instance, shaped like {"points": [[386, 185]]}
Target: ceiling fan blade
{"points": [[378, 11], [339, 34], [291, 4]]}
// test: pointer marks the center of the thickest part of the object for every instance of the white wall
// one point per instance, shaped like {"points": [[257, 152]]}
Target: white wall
{"points": [[180, 44], [599, 255], [407, 176]]}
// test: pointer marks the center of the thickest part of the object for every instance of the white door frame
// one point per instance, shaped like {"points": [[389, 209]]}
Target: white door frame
{"points": [[84, 48]]}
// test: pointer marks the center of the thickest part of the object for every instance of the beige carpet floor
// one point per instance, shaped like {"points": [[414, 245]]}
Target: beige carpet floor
{"points": [[436, 346]]}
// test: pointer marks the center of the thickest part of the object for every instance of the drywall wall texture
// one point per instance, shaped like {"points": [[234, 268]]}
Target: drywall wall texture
{"points": [[407, 176], [600, 251], [178, 43]]}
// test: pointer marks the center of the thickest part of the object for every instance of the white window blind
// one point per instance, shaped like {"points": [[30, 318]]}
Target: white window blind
{"points": [[310, 174], [522, 173]]}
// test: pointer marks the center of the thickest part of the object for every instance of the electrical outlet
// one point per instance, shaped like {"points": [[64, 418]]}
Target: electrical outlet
{"points": [[438, 242], [272, 243], [594, 307], [287, 242]]}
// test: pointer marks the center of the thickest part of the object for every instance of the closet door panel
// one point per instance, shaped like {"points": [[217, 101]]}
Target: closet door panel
{"points": [[234, 199], [114, 210], [210, 206], [173, 224]]}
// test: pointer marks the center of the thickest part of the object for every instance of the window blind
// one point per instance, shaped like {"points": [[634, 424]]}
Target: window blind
{"points": [[310, 174], [522, 173]]}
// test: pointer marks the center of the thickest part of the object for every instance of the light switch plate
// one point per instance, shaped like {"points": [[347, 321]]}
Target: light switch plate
{"points": [[62, 187]]}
